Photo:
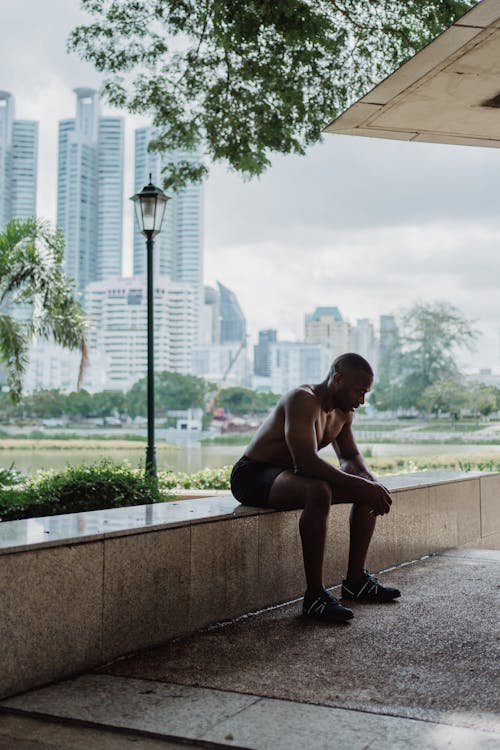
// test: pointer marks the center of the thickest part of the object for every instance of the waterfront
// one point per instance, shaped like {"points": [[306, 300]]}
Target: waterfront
{"points": [[192, 456]]}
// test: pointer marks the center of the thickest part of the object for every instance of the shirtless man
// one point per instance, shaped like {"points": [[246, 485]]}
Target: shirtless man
{"points": [[281, 469]]}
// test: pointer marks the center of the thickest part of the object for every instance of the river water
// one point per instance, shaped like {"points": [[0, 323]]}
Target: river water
{"points": [[191, 457]]}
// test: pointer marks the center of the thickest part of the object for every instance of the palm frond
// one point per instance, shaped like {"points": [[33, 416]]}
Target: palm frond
{"points": [[14, 346]]}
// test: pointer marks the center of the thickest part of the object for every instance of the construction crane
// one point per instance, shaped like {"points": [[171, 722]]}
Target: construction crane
{"points": [[211, 403]]}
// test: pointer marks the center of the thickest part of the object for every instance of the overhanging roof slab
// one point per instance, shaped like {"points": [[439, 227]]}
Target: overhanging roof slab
{"points": [[449, 92]]}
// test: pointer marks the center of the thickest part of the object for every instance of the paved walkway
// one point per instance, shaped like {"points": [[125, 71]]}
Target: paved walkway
{"points": [[420, 673]]}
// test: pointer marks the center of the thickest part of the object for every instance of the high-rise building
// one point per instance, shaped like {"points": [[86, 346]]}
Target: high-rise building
{"points": [[225, 364], [262, 352], [118, 312], [389, 347], [327, 327], [294, 363], [233, 325], [178, 250], [18, 163], [210, 319], [363, 341], [90, 191]]}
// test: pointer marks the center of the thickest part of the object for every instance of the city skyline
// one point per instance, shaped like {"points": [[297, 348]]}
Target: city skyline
{"points": [[369, 226]]}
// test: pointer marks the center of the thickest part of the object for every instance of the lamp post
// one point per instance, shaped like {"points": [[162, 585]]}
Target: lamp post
{"points": [[150, 206]]}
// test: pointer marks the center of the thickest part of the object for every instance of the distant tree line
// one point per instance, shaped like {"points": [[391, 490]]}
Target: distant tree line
{"points": [[173, 391], [419, 369]]}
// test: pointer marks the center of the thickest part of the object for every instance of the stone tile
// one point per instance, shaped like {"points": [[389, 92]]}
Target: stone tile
{"points": [[490, 505], [489, 555], [281, 570], [224, 563], [142, 705], [51, 604], [411, 524], [443, 523], [468, 500], [286, 725], [19, 732], [146, 589]]}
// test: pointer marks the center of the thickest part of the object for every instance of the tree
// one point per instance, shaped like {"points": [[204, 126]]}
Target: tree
{"points": [[429, 336], [249, 77], [449, 395], [243, 400], [108, 403], [432, 333], [172, 391], [484, 398], [31, 279]]}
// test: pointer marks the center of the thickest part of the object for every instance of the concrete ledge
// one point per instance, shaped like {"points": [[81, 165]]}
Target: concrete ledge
{"points": [[82, 589]]}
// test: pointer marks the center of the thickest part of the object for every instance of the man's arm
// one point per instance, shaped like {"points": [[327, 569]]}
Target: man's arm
{"points": [[348, 453], [301, 412]]}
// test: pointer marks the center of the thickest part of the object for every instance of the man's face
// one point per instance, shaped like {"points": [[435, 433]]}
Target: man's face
{"points": [[351, 389]]}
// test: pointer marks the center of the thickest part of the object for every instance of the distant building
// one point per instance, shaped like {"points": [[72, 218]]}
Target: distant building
{"points": [[233, 326], [90, 191], [210, 319], [262, 352], [327, 327], [118, 312], [52, 366], [18, 163], [363, 341], [389, 347], [224, 364], [294, 363], [179, 247]]}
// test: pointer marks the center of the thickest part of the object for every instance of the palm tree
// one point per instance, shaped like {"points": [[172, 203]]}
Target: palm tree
{"points": [[31, 276]]}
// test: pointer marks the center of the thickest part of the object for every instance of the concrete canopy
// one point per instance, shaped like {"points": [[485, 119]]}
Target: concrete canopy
{"points": [[449, 92]]}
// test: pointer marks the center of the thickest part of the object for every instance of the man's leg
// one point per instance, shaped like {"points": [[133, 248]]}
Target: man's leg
{"points": [[290, 492], [360, 585], [362, 525], [315, 497]]}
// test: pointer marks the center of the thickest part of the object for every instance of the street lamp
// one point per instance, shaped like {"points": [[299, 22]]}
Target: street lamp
{"points": [[150, 206]]}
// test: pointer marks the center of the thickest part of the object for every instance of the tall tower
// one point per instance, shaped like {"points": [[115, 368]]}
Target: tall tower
{"points": [[18, 163], [233, 325], [327, 327], [178, 251], [90, 191]]}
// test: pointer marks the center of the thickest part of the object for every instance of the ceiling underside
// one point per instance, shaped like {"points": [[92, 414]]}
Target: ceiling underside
{"points": [[449, 92]]}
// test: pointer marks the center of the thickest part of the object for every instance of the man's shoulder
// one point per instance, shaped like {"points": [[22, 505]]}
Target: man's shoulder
{"points": [[302, 397]]}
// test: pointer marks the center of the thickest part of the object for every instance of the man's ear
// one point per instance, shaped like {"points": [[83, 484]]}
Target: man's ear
{"points": [[337, 378]]}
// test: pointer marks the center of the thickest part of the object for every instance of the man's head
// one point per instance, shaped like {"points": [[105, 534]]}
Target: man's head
{"points": [[349, 380]]}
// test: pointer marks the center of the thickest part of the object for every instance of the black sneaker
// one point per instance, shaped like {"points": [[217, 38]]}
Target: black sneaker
{"points": [[369, 590], [325, 607]]}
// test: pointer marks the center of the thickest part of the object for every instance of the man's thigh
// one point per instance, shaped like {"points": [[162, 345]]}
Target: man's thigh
{"points": [[290, 491]]}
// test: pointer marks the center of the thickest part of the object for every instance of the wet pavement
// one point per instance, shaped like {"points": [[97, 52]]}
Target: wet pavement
{"points": [[421, 672]]}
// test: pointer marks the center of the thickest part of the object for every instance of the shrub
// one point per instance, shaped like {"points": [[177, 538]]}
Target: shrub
{"points": [[77, 489], [206, 479]]}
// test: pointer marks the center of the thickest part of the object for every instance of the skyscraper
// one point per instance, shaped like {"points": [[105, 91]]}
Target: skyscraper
{"points": [[178, 250], [363, 341], [18, 163], [118, 311], [233, 325], [327, 327], [90, 191], [262, 352]]}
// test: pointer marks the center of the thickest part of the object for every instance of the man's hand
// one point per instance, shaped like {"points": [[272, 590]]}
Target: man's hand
{"points": [[378, 498]]}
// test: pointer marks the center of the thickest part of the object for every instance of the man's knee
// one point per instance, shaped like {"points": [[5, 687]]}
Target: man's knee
{"points": [[319, 496]]}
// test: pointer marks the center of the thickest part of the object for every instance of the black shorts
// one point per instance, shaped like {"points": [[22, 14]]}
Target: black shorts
{"points": [[251, 481]]}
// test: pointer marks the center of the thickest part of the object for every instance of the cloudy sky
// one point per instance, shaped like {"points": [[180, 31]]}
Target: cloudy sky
{"points": [[370, 226]]}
